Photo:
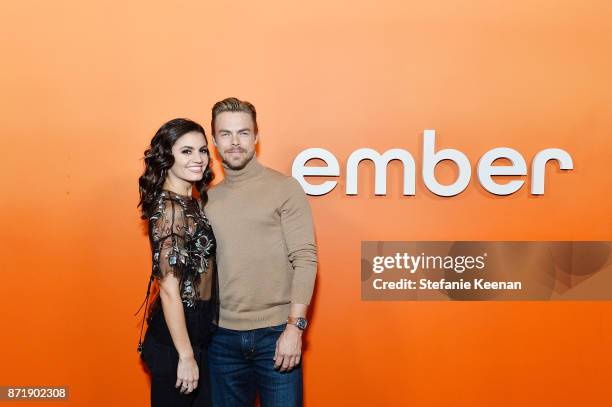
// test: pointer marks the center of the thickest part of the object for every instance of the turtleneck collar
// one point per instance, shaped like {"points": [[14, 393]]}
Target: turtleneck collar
{"points": [[250, 171]]}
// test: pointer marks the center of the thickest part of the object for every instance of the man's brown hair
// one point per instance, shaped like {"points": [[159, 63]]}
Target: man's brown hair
{"points": [[233, 105]]}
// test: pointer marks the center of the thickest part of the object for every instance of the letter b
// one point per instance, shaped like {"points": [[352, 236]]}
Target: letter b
{"points": [[431, 159]]}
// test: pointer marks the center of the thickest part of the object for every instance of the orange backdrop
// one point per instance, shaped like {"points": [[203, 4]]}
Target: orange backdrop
{"points": [[86, 84]]}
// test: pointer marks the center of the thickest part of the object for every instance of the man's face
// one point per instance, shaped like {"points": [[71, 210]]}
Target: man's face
{"points": [[235, 138]]}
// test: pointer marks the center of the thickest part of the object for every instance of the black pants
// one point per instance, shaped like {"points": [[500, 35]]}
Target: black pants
{"points": [[162, 361]]}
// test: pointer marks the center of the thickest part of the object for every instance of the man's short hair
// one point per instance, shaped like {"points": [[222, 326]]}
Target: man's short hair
{"points": [[233, 105]]}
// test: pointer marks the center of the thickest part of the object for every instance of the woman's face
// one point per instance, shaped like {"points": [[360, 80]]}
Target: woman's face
{"points": [[190, 153]]}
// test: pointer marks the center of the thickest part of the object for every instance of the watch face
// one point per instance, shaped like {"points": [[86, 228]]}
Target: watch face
{"points": [[301, 323]]}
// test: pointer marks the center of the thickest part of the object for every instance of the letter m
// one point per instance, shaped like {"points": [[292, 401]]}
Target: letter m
{"points": [[380, 165]]}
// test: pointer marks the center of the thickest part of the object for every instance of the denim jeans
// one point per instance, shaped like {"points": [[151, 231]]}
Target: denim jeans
{"points": [[241, 364]]}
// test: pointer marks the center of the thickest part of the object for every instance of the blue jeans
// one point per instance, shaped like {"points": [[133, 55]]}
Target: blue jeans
{"points": [[241, 364]]}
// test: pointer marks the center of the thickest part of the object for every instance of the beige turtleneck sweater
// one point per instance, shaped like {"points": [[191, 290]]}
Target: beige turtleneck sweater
{"points": [[266, 253]]}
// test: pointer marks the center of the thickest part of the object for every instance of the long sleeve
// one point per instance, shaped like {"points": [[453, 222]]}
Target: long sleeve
{"points": [[296, 222]]}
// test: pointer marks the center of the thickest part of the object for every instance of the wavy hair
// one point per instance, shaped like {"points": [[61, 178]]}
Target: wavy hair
{"points": [[158, 160]]}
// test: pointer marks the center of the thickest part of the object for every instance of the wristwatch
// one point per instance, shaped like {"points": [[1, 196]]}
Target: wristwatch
{"points": [[300, 322]]}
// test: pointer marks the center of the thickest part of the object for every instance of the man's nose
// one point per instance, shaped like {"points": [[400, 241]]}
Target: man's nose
{"points": [[235, 140]]}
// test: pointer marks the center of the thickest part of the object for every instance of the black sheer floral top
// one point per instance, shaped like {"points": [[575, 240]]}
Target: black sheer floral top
{"points": [[183, 244]]}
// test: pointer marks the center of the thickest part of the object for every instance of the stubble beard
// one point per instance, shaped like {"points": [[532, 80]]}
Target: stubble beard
{"points": [[242, 164]]}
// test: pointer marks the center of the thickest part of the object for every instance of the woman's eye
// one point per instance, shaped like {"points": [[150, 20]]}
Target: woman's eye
{"points": [[186, 151]]}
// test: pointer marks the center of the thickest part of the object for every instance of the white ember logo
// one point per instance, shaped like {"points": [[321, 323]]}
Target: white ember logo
{"points": [[486, 171]]}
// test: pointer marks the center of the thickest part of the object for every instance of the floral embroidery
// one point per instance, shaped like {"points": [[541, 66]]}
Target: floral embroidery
{"points": [[182, 242]]}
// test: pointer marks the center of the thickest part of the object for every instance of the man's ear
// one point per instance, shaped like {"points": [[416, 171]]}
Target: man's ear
{"points": [[256, 138], [214, 140]]}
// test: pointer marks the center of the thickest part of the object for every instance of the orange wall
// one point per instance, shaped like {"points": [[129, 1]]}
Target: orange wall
{"points": [[86, 84]]}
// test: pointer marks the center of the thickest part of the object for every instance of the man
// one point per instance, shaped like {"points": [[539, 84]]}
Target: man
{"points": [[267, 261]]}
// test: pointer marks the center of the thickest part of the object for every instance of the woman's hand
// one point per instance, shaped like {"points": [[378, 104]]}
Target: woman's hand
{"points": [[187, 374]]}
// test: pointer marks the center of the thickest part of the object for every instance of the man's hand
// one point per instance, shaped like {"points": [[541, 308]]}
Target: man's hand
{"points": [[288, 349]]}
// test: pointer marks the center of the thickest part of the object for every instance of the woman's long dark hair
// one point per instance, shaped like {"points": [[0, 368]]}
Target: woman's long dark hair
{"points": [[158, 160]]}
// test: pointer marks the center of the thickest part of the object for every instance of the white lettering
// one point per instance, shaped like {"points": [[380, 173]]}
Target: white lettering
{"points": [[299, 170], [380, 166], [485, 169], [539, 162]]}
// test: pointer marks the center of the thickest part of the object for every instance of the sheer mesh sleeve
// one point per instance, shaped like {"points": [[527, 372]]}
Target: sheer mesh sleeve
{"points": [[168, 231]]}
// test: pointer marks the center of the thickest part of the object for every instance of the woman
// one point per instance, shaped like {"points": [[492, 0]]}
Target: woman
{"points": [[185, 305]]}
